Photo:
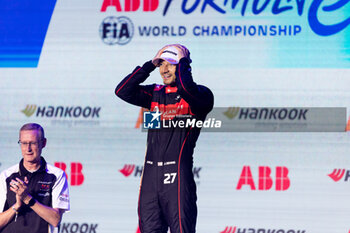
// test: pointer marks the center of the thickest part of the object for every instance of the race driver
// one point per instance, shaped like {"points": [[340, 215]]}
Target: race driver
{"points": [[168, 190]]}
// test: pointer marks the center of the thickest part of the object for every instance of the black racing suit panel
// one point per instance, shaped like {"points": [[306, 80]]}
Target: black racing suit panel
{"points": [[168, 190]]}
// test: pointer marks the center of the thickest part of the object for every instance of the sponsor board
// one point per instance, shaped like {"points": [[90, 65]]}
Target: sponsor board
{"points": [[265, 179], [235, 229], [274, 9], [267, 24], [340, 175], [244, 119], [68, 116], [74, 227], [76, 175]]}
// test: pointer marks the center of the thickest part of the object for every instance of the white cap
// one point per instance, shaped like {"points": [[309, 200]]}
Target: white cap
{"points": [[170, 55]]}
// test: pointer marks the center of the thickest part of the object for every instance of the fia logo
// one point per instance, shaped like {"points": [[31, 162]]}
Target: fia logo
{"points": [[116, 30], [151, 120]]}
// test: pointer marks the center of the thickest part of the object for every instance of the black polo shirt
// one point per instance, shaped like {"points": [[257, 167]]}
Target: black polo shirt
{"points": [[48, 185]]}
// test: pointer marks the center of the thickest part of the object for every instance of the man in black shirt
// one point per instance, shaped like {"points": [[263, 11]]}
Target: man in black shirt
{"points": [[33, 194]]}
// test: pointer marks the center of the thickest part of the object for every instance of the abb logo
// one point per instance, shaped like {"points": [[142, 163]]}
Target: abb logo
{"points": [[338, 174], [265, 182], [76, 175], [229, 230], [130, 5]]}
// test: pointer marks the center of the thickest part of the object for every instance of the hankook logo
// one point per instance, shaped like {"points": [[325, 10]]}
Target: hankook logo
{"points": [[339, 174], [29, 110], [61, 111]]}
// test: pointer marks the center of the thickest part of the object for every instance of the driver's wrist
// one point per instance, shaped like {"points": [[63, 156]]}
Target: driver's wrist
{"points": [[27, 199], [17, 206]]}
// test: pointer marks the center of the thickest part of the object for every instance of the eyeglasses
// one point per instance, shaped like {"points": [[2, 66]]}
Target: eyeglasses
{"points": [[28, 143]]}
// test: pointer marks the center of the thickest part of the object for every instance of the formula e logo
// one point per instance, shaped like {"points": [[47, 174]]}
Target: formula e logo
{"points": [[338, 174], [151, 120], [116, 30]]}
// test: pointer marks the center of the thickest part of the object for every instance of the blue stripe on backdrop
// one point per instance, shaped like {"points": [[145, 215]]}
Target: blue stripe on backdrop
{"points": [[23, 27]]}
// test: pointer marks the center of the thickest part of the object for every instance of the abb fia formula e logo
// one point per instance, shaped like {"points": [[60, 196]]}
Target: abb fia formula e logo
{"points": [[338, 174], [76, 174], [265, 179]]}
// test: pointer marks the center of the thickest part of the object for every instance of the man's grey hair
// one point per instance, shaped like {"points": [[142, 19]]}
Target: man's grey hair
{"points": [[34, 126]]}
